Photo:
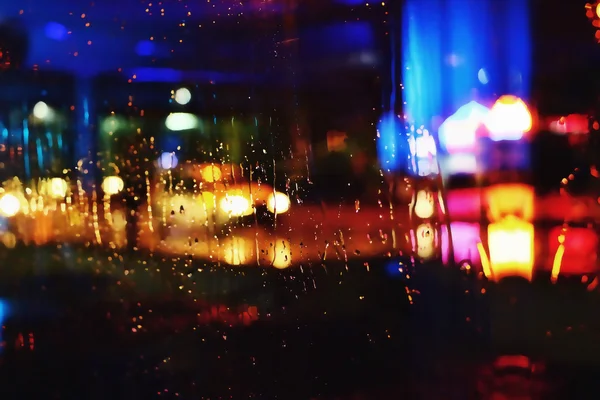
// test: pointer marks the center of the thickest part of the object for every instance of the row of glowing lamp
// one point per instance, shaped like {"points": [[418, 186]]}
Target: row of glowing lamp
{"points": [[235, 203]]}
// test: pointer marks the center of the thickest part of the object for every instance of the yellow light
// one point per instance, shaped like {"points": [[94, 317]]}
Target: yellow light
{"points": [[9, 240], [510, 199], [207, 199], [278, 203], [236, 206], [112, 185], [211, 173], [511, 244], [119, 220], [58, 188], [508, 119], [9, 205], [424, 204], [598, 10], [282, 254], [426, 241], [236, 251]]}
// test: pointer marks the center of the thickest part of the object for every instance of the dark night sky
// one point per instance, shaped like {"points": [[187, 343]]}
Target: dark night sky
{"points": [[566, 56]]}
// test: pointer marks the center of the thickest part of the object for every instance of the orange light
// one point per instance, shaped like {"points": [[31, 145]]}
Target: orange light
{"points": [[510, 199], [511, 244], [211, 173], [598, 10]]}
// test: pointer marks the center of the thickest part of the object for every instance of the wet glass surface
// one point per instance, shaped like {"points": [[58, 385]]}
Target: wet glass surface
{"points": [[296, 200]]}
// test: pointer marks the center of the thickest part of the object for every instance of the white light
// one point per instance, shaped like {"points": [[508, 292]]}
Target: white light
{"points": [[425, 146], [181, 121], [458, 133], [9, 205], [183, 96], [460, 163], [168, 160], [41, 110], [508, 119], [482, 76]]}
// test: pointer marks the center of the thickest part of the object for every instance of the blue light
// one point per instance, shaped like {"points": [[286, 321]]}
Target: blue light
{"points": [[446, 43], [518, 48], [393, 268], [40, 153], [339, 38], [421, 58], [470, 41], [388, 143], [3, 314], [145, 48], [168, 160], [157, 75], [26, 146], [482, 76], [170, 142], [169, 75], [56, 31]]}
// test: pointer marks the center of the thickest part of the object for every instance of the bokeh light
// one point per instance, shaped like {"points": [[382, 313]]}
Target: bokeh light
{"points": [[112, 185], [281, 254], [508, 119], [211, 173], [168, 160], [424, 204], [236, 205], [41, 110], [58, 188], [181, 122], [278, 203], [183, 96], [9, 205]]}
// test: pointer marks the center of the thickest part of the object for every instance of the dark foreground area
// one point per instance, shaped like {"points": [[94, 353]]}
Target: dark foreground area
{"points": [[82, 324]]}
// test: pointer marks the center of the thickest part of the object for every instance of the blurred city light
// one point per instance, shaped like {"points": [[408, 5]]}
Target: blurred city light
{"points": [[10, 205], [508, 119], [168, 160], [112, 185], [278, 203], [183, 96], [181, 122], [458, 133], [41, 110], [511, 245]]}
